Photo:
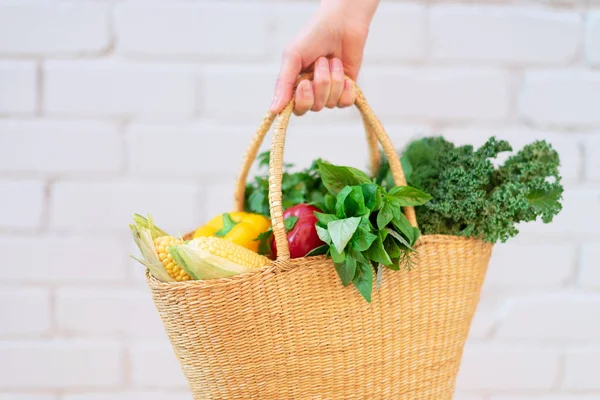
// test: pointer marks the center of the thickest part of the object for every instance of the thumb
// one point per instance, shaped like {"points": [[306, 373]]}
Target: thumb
{"points": [[291, 67]]}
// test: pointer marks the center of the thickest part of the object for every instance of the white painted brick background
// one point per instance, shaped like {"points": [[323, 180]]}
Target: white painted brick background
{"points": [[113, 107]]}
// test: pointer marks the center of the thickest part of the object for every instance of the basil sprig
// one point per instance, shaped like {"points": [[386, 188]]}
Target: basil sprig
{"points": [[363, 225]]}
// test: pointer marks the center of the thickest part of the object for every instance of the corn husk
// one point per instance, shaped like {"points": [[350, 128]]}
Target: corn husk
{"points": [[201, 264], [144, 232]]}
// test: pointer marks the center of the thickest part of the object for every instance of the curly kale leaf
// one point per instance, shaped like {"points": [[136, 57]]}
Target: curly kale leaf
{"points": [[472, 197]]}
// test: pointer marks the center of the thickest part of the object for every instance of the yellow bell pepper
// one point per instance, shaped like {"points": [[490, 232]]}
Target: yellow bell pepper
{"points": [[238, 227]]}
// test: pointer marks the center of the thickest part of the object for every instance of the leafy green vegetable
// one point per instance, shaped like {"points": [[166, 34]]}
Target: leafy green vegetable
{"points": [[470, 196], [335, 177], [359, 225], [297, 187]]}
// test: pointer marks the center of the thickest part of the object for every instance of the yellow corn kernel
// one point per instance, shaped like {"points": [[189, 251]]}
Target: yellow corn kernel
{"points": [[230, 251], [175, 271]]}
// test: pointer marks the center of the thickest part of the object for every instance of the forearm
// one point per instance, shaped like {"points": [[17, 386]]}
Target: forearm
{"points": [[362, 10]]}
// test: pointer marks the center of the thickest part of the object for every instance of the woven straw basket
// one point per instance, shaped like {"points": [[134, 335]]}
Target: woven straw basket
{"points": [[291, 330]]}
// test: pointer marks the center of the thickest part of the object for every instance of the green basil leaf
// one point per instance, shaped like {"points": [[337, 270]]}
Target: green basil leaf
{"points": [[355, 203], [362, 239], [323, 234], [408, 196], [341, 231], [318, 251], [337, 257], [340, 208], [264, 245], [228, 225], [384, 216], [290, 222], [372, 195], [404, 227], [329, 202], [324, 219], [400, 239], [391, 247], [335, 178], [364, 281], [346, 270], [378, 254]]}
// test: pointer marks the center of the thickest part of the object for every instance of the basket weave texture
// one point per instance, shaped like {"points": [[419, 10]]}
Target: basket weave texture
{"points": [[291, 330]]}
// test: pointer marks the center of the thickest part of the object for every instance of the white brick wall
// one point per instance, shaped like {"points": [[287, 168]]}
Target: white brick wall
{"points": [[498, 34], [48, 29], [18, 83], [113, 107]]}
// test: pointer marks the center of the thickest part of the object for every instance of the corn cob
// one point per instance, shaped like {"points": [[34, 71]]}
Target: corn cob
{"points": [[212, 257], [175, 271]]}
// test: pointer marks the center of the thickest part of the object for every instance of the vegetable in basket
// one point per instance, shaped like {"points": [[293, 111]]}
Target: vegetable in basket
{"points": [[300, 225], [171, 259], [238, 227], [473, 198]]}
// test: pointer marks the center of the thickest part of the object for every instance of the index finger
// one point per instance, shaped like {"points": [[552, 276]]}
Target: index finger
{"points": [[291, 66]]}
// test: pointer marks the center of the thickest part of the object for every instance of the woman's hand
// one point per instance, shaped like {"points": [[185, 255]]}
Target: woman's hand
{"points": [[334, 42]]}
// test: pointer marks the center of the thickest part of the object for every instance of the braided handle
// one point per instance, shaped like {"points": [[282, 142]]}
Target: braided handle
{"points": [[374, 131], [259, 136]]}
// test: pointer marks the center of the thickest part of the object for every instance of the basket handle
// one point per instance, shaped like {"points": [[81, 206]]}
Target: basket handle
{"points": [[374, 130], [259, 136]]}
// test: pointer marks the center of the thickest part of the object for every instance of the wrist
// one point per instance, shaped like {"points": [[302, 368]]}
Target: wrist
{"points": [[361, 11]]}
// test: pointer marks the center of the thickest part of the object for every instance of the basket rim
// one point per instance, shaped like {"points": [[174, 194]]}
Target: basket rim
{"points": [[272, 266]]}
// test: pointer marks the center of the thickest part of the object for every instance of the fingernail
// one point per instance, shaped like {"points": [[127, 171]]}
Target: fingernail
{"points": [[323, 63]]}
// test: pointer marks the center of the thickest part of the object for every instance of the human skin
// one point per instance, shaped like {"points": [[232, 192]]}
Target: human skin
{"points": [[333, 44]]}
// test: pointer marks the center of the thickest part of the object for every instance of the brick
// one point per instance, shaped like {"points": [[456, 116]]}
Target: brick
{"points": [[580, 214], [47, 29], [59, 364], [555, 317], [490, 367], [129, 396], [222, 157], [519, 136], [592, 44], [431, 93], [15, 396], [60, 147], [231, 32], [589, 276], [18, 92], [215, 152], [592, 163], [114, 88], [231, 93], [110, 206], [24, 311], [154, 364], [504, 34], [66, 259], [561, 98], [21, 203], [531, 265], [581, 370], [105, 311]]}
